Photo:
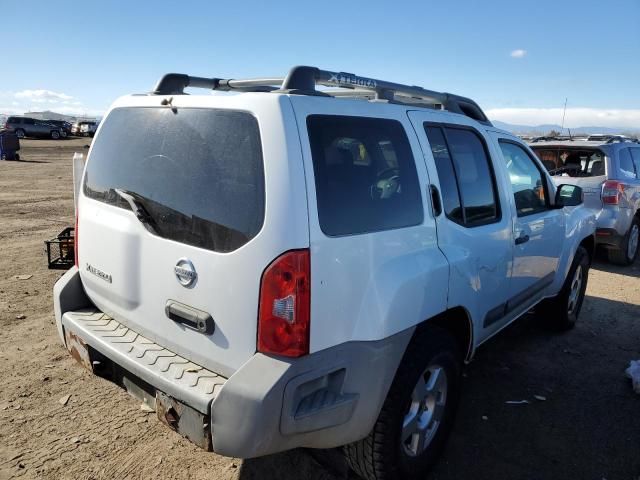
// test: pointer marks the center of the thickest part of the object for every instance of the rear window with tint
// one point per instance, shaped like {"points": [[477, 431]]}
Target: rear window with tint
{"points": [[572, 162], [198, 173], [365, 175]]}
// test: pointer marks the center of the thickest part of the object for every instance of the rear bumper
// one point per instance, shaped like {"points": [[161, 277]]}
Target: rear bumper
{"points": [[613, 223], [323, 400], [609, 237]]}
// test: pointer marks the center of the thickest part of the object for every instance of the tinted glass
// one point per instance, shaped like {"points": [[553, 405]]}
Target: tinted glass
{"points": [[627, 168], [446, 174], [474, 176], [635, 154], [526, 180], [198, 173], [28, 121], [365, 175]]}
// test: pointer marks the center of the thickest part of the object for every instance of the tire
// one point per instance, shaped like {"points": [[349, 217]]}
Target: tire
{"points": [[628, 251], [20, 133], [561, 312], [55, 135], [63, 133], [432, 361], [16, 157]]}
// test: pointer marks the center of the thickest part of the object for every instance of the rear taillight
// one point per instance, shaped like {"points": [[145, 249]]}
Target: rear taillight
{"points": [[284, 315], [612, 192], [75, 240]]}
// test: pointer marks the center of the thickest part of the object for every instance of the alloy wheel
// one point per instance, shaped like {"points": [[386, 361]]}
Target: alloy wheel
{"points": [[426, 410]]}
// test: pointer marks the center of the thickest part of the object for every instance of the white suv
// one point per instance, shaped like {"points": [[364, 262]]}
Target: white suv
{"points": [[289, 268]]}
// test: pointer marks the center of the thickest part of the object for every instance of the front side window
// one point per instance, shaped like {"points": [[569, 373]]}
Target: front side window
{"points": [[466, 180], [526, 179], [365, 175]]}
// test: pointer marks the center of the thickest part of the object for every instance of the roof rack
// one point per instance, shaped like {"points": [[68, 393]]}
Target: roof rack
{"points": [[302, 80]]}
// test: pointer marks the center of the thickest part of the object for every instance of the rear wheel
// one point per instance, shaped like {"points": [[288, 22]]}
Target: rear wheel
{"points": [[55, 134], [20, 133], [561, 312], [417, 415], [628, 251]]}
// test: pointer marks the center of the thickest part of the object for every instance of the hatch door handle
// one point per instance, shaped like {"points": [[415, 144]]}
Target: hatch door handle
{"points": [[190, 317]]}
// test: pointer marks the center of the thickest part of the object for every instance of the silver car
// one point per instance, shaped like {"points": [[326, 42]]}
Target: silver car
{"points": [[608, 170]]}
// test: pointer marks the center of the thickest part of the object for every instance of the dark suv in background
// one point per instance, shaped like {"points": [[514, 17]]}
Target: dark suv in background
{"points": [[31, 127]]}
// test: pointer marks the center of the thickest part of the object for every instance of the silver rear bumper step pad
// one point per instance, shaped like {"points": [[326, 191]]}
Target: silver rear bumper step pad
{"points": [[164, 370]]}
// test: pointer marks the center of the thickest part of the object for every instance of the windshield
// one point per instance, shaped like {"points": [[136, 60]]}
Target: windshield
{"points": [[197, 174]]}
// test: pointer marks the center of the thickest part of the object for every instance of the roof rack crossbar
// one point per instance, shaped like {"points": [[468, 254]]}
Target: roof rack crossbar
{"points": [[303, 80]]}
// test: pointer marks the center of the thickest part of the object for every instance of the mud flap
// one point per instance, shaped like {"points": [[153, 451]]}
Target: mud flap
{"points": [[78, 349]]}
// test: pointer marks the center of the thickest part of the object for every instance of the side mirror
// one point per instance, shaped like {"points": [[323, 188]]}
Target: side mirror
{"points": [[569, 196]]}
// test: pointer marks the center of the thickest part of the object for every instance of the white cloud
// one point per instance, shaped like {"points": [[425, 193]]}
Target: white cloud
{"points": [[43, 96], [518, 53], [575, 117]]}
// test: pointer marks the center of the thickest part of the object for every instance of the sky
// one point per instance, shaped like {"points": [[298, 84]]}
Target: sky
{"points": [[519, 60]]}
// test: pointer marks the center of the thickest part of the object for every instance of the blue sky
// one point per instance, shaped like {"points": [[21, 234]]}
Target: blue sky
{"points": [[79, 59]]}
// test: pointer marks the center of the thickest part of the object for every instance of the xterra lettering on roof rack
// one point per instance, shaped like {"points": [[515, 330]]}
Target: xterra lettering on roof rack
{"points": [[303, 80]]}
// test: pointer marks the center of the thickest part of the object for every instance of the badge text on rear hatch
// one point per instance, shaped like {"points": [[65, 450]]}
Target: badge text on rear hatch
{"points": [[99, 273]]}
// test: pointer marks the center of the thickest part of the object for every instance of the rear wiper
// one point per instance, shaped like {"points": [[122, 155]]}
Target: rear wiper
{"points": [[138, 209]]}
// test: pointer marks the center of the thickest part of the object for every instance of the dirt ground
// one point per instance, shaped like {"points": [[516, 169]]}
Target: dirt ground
{"points": [[587, 428]]}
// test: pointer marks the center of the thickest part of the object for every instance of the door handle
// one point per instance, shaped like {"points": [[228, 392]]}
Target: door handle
{"points": [[522, 239], [435, 200], [190, 317]]}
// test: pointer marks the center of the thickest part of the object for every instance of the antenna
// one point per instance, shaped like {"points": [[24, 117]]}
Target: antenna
{"points": [[564, 113]]}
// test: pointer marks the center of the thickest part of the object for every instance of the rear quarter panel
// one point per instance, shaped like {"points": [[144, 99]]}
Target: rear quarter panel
{"points": [[373, 285]]}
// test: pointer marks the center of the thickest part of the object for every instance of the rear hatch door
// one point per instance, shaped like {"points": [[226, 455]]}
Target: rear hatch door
{"points": [[172, 218]]}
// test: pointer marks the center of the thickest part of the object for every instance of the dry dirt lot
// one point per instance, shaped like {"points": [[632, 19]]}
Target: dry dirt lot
{"points": [[587, 428]]}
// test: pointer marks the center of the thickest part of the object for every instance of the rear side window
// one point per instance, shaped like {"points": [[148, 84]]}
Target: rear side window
{"points": [[635, 154], [365, 175], [197, 172], [627, 168], [464, 172]]}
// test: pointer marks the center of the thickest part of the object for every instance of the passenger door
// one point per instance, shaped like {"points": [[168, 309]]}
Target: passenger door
{"points": [[28, 124], [538, 228], [474, 223]]}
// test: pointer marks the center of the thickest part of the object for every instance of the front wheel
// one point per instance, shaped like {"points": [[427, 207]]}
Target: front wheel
{"points": [[561, 312], [55, 134], [417, 415]]}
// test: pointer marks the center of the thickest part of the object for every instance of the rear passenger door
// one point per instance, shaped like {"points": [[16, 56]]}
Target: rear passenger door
{"points": [[538, 228], [474, 233], [28, 124]]}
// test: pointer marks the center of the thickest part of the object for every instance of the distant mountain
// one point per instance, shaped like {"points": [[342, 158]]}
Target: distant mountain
{"points": [[545, 129]]}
